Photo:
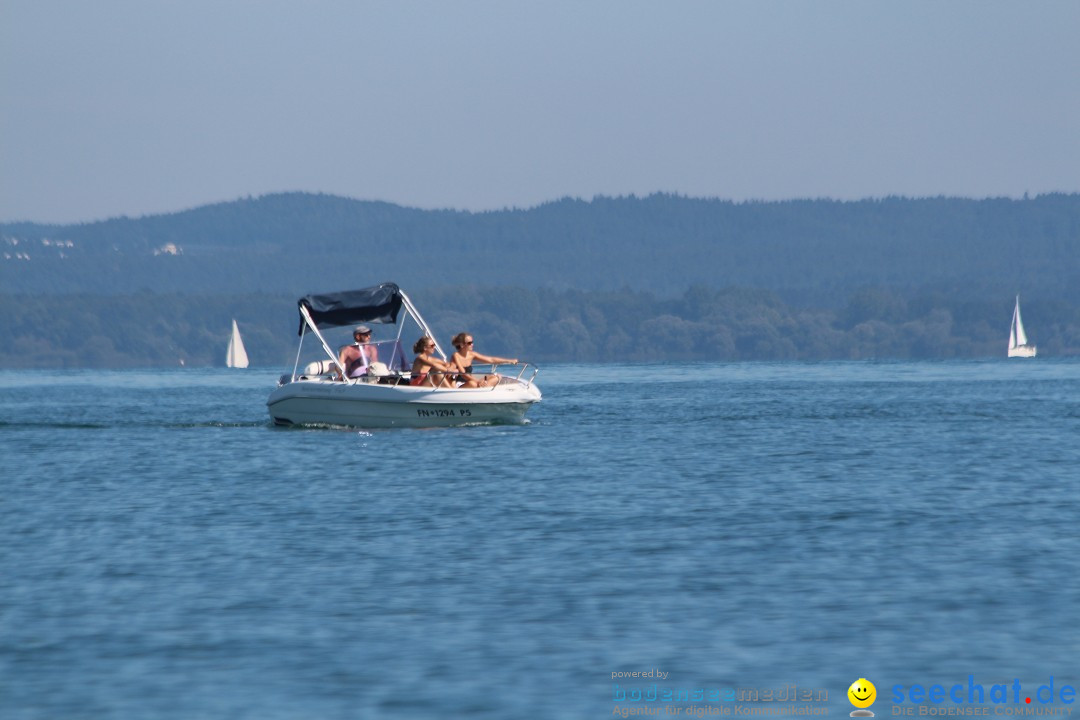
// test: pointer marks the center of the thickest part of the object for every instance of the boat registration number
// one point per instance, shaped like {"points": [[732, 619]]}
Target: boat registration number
{"points": [[444, 412]]}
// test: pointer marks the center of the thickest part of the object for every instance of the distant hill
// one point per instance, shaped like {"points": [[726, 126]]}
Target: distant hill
{"points": [[809, 252], [654, 278]]}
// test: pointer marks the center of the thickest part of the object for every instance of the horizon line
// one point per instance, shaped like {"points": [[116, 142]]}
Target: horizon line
{"points": [[1025, 197]]}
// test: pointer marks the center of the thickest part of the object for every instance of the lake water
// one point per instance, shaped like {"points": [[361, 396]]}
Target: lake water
{"points": [[165, 553]]}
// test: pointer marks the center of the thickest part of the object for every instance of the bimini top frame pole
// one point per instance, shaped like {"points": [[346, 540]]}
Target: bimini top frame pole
{"points": [[299, 348], [411, 309], [311, 325]]}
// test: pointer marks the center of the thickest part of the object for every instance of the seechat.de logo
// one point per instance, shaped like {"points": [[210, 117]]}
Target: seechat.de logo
{"points": [[862, 695], [976, 694]]}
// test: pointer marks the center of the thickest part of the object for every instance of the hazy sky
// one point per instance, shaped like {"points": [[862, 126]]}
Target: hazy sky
{"points": [[111, 107]]}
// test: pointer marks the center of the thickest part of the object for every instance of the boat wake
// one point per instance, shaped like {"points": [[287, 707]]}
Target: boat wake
{"points": [[57, 425], [369, 432], [4, 425]]}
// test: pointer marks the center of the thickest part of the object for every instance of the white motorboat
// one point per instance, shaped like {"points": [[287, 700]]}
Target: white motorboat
{"points": [[382, 396], [1018, 342]]}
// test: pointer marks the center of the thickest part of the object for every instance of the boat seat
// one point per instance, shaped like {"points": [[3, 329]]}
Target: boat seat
{"points": [[319, 367]]}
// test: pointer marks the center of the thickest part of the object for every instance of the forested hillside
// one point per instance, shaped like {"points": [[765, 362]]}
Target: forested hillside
{"points": [[660, 277], [807, 251]]}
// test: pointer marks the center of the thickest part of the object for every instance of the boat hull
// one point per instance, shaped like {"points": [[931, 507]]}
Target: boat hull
{"points": [[1024, 351], [371, 405]]}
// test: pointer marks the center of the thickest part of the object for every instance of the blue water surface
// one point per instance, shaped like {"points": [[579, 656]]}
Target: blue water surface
{"points": [[166, 553]]}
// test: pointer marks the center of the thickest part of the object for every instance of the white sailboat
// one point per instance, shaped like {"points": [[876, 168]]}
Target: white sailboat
{"points": [[236, 355], [1018, 344]]}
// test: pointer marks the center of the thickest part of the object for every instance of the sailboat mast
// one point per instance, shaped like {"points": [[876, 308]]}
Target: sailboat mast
{"points": [[1012, 325]]}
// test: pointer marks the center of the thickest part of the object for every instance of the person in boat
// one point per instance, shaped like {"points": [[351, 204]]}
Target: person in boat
{"points": [[465, 357], [356, 358], [428, 369]]}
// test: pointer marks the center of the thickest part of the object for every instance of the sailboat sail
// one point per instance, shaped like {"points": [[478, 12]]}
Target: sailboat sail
{"points": [[236, 355], [1018, 343]]}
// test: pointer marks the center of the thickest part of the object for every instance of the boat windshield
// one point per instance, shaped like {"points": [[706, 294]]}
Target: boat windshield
{"points": [[393, 354]]}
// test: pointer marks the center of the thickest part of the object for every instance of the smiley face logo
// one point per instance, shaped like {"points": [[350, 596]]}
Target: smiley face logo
{"points": [[862, 693]]}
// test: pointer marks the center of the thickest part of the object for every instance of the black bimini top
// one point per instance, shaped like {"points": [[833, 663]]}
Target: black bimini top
{"points": [[379, 304]]}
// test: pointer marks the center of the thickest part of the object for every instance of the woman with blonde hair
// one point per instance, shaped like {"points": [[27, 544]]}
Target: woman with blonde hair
{"points": [[464, 358]]}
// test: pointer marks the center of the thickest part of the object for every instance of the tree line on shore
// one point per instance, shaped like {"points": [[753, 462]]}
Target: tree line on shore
{"points": [[541, 325]]}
